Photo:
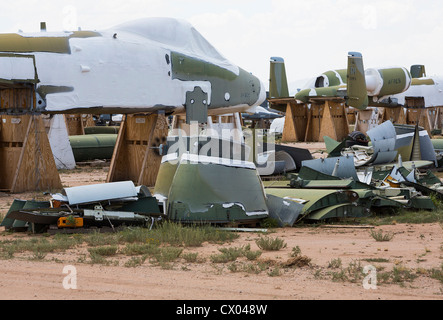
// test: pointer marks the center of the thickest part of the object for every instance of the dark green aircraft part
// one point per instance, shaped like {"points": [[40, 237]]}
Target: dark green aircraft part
{"points": [[93, 146], [16, 205], [278, 84], [345, 210], [204, 192], [356, 88], [305, 94], [334, 80], [394, 81], [228, 88], [418, 71]]}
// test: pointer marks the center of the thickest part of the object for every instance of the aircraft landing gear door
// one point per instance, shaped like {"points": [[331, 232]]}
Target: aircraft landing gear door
{"points": [[196, 106]]}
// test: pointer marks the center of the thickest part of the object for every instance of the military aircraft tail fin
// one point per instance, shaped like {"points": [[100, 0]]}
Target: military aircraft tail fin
{"points": [[357, 92], [278, 83], [418, 71]]}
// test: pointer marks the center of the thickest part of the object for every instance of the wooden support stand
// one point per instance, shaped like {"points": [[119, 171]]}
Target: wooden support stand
{"points": [[396, 115], [304, 123], [366, 120], [76, 123], [26, 159], [328, 118], [417, 114], [135, 155], [296, 122]]}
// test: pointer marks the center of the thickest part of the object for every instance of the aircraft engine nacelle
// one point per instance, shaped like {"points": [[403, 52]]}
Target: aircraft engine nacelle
{"points": [[387, 81]]}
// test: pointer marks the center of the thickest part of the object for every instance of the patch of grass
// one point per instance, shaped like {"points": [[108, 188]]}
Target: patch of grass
{"points": [[376, 260], [135, 261], [105, 251], [437, 274], [380, 236], [232, 253], [270, 244], [134, 249], [335, 263], [190, 257], [176, 235], [406, 216], [168, 254]]}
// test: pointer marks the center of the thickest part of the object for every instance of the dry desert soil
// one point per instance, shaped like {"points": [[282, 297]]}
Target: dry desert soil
{"points": [[328, 266]]}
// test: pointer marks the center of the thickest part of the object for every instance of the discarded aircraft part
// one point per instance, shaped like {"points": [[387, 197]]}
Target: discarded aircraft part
{"points": [[267, 164], [345, 210], [333, 147], [346, 168], [206, 145], [7, 221], [406, 164], [93, 146], [383, 139], [60, 145], [46, 217], [362, 155], [422, 202], [261, 113], [165, 176], [323, 184], [284, 210], [307, 173], [102, 130], [277, 125], [27, 206], [124, 190], [216, 190], [414, 143], [157, 62], [99, 217], [146, 206], [287, 159], [314, 199], [356, 138], [298, 154]]}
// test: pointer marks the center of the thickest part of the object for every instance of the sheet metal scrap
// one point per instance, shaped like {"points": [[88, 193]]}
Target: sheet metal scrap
{"points": [[196, 189], [311, 202], [111, 205]]}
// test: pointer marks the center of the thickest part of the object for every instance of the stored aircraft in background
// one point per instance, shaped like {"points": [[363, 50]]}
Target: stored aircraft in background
{"points": [[361, 88]]}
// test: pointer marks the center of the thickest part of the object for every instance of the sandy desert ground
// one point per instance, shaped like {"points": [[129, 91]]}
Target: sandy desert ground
{"points": [[333, 253]]}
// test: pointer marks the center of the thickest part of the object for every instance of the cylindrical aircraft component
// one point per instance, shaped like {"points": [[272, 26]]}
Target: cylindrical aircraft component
{"points": [[387, 81], [93, 146], [102, 130]]}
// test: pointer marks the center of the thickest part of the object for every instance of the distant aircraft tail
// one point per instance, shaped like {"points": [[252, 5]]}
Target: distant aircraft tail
{"points": [[278, 83], [356, 87], [418, 71]]}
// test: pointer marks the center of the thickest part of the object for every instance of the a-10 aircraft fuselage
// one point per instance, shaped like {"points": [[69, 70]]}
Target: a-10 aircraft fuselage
{"points": [[143, 66]]}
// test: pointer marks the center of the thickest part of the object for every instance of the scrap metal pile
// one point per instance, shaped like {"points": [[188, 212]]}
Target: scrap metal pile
{"points": [[359, 177], [98, 207]]}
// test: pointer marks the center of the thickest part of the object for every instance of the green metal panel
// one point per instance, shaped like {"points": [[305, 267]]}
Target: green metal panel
{"points": [[316, 199], [357, 92], [93, 146], [102, 130], [16, 205], [216, 193], [345, 210]]}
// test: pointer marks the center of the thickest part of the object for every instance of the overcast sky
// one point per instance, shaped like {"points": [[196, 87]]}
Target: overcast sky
{"points": [[312, 36]]}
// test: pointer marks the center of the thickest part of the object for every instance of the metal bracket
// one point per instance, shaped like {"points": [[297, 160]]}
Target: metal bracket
{"points": [[196, 106]]}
